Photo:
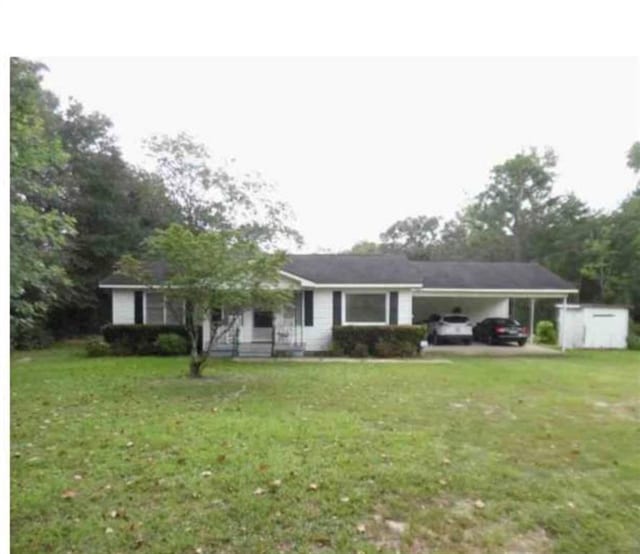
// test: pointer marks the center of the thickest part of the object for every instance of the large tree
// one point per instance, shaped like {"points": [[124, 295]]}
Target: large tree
{"points": [[211, 271], [115, 205], [518, 198], [415, 236], [40, 230], [218, 197]]}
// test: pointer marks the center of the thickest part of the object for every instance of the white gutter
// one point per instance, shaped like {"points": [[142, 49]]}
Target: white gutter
{"points": [[514, 293]]}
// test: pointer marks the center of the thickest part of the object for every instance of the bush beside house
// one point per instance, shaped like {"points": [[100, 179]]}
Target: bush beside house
{"points": [[546, 332], [388, 341], [144, 340]]}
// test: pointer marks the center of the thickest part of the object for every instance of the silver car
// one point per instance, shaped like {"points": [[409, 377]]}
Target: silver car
{"points": [[450, 328]]}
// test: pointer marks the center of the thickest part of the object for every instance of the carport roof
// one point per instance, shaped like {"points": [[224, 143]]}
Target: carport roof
{"points": [[489, 275]]}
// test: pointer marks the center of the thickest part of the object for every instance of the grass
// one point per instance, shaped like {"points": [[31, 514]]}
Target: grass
{"points": [[476, 455]]}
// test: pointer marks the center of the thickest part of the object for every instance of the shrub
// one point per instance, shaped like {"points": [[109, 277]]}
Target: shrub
{"points": [[171, 344], [139, 339], [96, 348], [360, 350], [395, 349], [336, 350], [34, 338], [346, 337], [633, 338], [546, 332]]}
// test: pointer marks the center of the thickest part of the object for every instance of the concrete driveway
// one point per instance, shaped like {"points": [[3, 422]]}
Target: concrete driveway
{"points": [[481, 349]]}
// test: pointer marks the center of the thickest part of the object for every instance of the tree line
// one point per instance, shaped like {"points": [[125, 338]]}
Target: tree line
{"points": [[77, 207], [517, 217]]}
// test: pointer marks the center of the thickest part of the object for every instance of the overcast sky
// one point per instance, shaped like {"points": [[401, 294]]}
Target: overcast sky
{"points": [[356, 144]]}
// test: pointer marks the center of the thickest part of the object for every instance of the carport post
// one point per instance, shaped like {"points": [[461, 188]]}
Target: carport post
{"points": [[562, 323], [532, 311]]}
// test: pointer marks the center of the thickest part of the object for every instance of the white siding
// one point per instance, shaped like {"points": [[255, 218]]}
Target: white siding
{"points": [[593, 326], [123, 306], [318, 337], [606, 328], [476, 309], [405, 307]]}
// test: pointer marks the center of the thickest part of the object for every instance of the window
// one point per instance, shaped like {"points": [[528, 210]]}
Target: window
{"points": [[155, 308], [455, 319], [366, 308], [262, 319], [175, 311]]}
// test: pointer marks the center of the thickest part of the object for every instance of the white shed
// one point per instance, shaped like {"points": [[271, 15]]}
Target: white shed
{"points": [[592, 326]]}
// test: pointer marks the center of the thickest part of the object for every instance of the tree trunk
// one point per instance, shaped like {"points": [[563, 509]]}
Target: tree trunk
{"points": [[196, 362]]}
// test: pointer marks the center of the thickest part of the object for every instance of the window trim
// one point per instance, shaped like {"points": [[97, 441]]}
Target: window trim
{"points": [[345, 321], [164, 309]]}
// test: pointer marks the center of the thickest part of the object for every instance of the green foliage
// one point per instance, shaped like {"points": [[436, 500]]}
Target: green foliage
{"points": [[348, 337], [365, 247], [115, 207], [395, 349], [39, 230], [633, 342], [96, 348], [633, 336], [210, 271], [33, 337], [546, 332], [140, 339], [171, 344], [633, 157], [415, 236], [218, 198], [360, 350]]}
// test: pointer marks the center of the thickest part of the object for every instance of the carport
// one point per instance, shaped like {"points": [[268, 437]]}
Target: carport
{"points": [[485, 289]]}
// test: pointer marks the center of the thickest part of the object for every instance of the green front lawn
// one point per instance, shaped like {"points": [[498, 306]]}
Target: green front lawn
{"points": [[475, 455]]}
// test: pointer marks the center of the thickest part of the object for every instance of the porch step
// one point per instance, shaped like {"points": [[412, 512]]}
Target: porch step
{"points": [[254, 350]]}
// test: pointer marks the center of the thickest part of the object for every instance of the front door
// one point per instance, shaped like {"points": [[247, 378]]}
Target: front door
{"points": [[262, 326]]}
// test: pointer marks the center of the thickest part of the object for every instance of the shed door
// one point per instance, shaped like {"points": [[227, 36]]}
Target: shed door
{"points": [[605, 329]]}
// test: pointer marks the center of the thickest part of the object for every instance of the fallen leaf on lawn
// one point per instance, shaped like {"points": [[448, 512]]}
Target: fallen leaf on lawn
{"points": [[206, 473], [344, 499], [69, 494], [361, 528], [396, 526], [276, 483], [443, 482], [77, 477], [108, 530], [313, 486], [221, 458], [129, 444], [479, 504], [259, 491], [446, 461], [571, 505], [199, 550]]}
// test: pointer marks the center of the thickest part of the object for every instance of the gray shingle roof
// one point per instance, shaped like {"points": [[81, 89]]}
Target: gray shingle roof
{"points": [[397, 269], [354, 269], [158, 271], [489, 275]]}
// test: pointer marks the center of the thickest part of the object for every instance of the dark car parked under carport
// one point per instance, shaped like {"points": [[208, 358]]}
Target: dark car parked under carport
{"points": [[500, 330]]}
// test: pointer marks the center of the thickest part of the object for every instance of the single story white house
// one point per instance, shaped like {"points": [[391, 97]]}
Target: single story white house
{"points": [[345, 289]]}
